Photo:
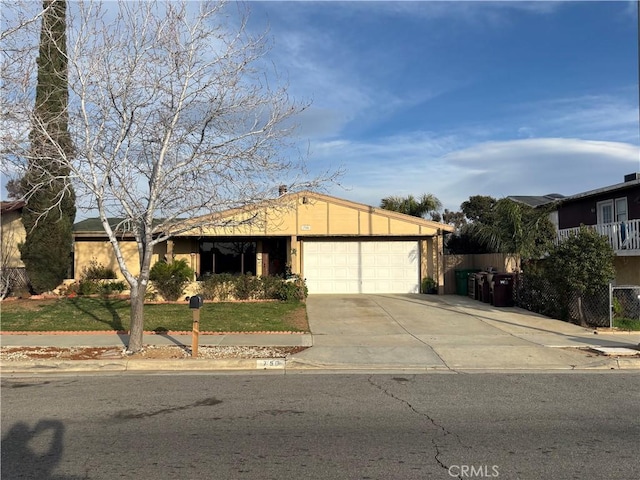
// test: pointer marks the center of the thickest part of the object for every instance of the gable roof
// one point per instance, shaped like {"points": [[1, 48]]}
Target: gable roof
{"points": [[536, 200], [11, 206], [610, 188], [93, 226]]}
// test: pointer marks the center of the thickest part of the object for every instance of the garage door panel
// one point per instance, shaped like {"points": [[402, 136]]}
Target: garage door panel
{"points": [[361, 266]]}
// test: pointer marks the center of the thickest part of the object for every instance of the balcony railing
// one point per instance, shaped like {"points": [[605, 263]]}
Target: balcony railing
{"points": [[622, 236]]}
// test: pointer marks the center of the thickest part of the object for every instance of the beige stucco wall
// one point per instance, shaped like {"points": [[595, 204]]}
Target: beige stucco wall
{"points": [[317, 215], [86, 251], [627, 270], [13, 233]]}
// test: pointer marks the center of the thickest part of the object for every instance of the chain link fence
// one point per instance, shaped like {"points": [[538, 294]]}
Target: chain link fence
{"points": [[625, 304], [537, 294]]}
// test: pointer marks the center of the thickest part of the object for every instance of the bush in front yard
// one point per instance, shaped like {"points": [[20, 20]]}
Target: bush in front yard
{"points": [[292, 289], [170, 279], [223, 287], [247, 287], [96, 279], [217, 287], [97, 271]]}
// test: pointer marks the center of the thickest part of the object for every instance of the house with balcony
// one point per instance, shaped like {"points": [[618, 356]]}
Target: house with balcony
{"points": [[613, 211]]}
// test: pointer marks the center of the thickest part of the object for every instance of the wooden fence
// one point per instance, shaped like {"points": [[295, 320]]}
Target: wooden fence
{"points": [[501, 262]]}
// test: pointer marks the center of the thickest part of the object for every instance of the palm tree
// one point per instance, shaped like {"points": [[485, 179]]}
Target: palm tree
{"points": [[516, 229], [426, 204]]}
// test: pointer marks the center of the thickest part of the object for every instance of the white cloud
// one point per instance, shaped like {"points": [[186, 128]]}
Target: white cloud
{"points": [[453, 173], [604, 117]]}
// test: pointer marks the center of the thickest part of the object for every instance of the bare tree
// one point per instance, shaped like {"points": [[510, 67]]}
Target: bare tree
{"points": [[173, 115], [8, 253]]}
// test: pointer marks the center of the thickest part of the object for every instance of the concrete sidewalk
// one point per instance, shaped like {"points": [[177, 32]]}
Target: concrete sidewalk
{"points": [[121, 340], [418, 333]]}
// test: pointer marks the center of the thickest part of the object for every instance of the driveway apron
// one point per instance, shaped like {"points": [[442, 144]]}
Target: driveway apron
{"points": [[448, 333]]}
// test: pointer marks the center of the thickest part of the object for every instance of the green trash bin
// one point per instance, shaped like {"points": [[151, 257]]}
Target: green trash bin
{"points": [[462, 280]]}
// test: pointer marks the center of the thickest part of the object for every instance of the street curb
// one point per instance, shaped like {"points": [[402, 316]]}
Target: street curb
{"points": [[146, 332], [188, 365], [625, 363], [142, 365]]}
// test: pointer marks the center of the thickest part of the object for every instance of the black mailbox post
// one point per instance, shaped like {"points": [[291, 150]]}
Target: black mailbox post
{"points": [[195, 304]]}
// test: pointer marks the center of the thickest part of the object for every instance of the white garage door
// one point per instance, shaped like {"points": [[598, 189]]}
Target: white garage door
{"points": [[361, 267]]}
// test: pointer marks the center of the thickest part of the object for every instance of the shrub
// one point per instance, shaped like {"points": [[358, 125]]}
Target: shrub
{"points": [[580, 267], [97, 271], [271, 286], [170, 279], [225, 286], [216, 286], [87, 287], [96, 287], [582, 263], [292, 289], [246, 287], [107, 288], [428, 285]]}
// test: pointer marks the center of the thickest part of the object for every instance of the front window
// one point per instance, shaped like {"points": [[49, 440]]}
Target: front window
{"points": [[227, 257], [610, 211], [605, 212], [621, 209]]}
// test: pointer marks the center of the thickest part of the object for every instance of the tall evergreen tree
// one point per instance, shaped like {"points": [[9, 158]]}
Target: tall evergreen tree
{"points": [[50, 212]]}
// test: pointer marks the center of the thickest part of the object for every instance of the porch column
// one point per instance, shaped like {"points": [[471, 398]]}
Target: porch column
{"points": [[294, 257], [438, 245], [169, 255], [259, 257]]}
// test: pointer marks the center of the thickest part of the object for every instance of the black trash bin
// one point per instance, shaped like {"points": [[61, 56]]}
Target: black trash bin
{"points": [[471, 286], [503, 290], [484, 289]]}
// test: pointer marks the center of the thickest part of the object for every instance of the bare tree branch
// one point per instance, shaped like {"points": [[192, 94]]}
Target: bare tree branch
{"points": [[172, 116]]}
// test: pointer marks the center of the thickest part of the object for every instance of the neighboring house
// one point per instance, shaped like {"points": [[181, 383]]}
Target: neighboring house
{"points": [[13, 277], [13, 233], [536, 201], [337, 245], [613, 211]]}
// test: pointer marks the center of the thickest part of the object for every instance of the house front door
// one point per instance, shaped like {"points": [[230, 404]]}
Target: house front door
{"points": [[274, 256]]}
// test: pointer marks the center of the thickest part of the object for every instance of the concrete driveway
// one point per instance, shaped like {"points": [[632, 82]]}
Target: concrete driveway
{"points": [[448, 333]]}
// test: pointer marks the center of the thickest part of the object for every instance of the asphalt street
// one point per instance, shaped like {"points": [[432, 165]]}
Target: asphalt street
{"points": [[400, 426]]}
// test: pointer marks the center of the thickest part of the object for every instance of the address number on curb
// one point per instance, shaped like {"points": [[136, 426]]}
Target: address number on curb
{"points": [[270, 363]]}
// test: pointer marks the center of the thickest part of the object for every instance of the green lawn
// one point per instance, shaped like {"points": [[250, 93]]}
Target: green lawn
{"points": [[90, 313], [627, 323]]}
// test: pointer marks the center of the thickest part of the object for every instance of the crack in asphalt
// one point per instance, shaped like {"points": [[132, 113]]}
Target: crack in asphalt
{"points": [[130, 414], [431, 420]]}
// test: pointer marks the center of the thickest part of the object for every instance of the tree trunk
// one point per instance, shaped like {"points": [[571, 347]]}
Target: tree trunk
{"points": [[136, 328], [583, 320]]}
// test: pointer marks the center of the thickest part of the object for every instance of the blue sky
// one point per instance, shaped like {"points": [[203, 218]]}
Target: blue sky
{"points": [[461, 98]]}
